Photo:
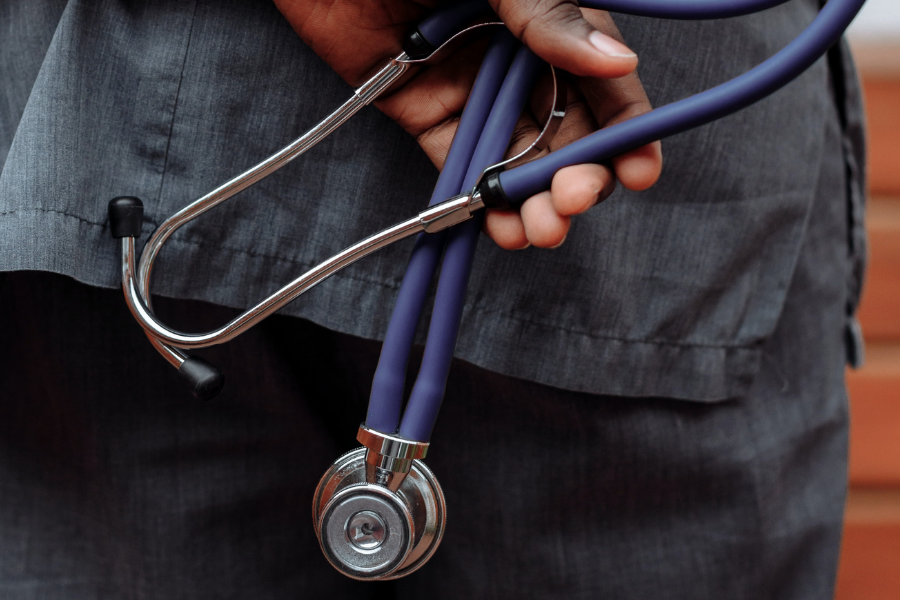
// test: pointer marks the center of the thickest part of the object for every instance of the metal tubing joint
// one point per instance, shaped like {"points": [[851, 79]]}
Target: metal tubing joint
{"points": [[389, 458]]}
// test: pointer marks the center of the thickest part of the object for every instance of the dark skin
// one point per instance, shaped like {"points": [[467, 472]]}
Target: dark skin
{"points": [[355, 36]]}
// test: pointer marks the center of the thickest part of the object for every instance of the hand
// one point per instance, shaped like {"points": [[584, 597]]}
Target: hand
{"points": [[355, 36]]}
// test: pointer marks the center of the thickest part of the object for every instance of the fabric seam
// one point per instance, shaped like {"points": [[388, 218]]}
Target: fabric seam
{"points": [[187, 49], [470, 306]]}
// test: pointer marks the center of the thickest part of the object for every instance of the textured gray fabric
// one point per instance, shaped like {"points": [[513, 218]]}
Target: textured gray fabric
{"points": [[115, 485], [670, 292]]}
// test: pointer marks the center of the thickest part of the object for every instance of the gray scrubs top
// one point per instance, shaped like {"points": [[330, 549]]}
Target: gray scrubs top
{"points": [[668, 292]]}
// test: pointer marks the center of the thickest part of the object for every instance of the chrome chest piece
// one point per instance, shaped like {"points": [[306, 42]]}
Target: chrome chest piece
{"points": [[378, 511]]}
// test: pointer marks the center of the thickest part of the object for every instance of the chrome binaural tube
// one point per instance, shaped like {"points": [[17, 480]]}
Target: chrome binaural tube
{"points": [[383, 79], [364, 95], [438, 217]]}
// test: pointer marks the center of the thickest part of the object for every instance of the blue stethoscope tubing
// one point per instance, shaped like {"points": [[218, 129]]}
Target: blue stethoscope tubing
{"points": [[522, 182], [428, 391], [493, 110], [450, 18], [389, 380]]}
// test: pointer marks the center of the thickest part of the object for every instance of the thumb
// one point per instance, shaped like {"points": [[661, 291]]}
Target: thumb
{"points": [[556, 31]]}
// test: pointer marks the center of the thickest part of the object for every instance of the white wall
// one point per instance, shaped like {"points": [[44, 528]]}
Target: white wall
{"points": [[878, 22]]}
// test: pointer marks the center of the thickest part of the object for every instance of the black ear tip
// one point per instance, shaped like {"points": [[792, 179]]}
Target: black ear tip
{"points": [[126, 216], [205, 380]]}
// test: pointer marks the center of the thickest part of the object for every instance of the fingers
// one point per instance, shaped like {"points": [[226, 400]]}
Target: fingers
{"points": [[505, 227], [594, 103], [557, 32], [429, 105], [544, 227], [639, 169], [618, 101], [353, 37], [577, 188], [536, 223], [612, 101], [544, 219]]}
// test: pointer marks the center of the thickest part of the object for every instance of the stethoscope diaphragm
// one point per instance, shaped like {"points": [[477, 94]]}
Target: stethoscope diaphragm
{"points": [[369, 532]]}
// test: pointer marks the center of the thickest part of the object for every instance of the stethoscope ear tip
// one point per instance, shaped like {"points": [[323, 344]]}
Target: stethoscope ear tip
{"points": [[204, 379], [126, 216]]}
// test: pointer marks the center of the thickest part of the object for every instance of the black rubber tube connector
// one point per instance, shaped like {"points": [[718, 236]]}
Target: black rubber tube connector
{"points": [[492, 193], [205, 380], [416, 46], [126, 216]]}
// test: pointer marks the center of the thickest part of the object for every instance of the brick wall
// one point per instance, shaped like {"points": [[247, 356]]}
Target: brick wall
{"points": [[870, 561]]}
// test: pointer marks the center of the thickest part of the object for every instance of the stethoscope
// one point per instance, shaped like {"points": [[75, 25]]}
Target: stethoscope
{"points": [[378, 511]]}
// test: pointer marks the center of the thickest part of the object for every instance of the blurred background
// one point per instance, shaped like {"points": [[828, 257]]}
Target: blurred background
{"points": [[870, 561]]}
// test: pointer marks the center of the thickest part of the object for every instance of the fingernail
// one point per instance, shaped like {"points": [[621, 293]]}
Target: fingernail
{"points": [[609, 46], [559, 244]]}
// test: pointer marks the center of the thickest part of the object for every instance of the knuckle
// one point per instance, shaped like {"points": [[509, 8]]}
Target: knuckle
{"points": [[633, 108], [523, 136], [577, 108], [533, 18]]}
